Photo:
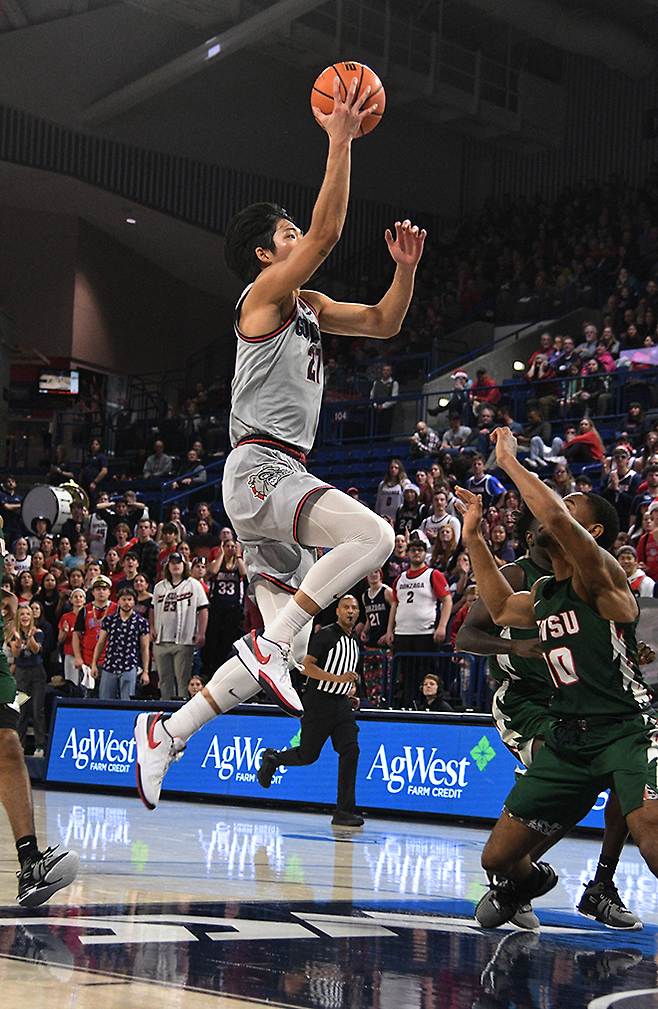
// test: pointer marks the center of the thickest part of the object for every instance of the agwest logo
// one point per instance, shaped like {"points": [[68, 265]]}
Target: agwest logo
{"points": [[100, 750], [240, 758], [420, 773]]}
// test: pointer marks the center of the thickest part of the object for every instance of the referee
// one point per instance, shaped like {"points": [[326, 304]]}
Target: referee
{"points": [[329, 707]]}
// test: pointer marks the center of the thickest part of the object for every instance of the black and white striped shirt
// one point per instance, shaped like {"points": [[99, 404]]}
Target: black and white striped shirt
{"points": [[335, 652]]}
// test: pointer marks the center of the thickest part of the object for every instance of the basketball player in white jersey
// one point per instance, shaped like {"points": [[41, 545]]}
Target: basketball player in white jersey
{"points": [[280, 512]]}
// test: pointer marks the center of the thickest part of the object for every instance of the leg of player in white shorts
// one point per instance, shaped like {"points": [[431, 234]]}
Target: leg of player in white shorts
{"points": [[359, 542]]}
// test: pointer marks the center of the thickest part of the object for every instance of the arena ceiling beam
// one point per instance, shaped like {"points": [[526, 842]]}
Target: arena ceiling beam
{"points": [[248, 32], [14, 14]]}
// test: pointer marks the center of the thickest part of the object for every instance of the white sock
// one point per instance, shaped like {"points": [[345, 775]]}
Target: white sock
{"points": [[230, 685], [290, 621], [190, 718]]}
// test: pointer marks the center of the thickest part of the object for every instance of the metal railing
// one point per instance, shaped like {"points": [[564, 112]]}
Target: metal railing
{"points": [[352, 419], [170, 494], [394, 678]]}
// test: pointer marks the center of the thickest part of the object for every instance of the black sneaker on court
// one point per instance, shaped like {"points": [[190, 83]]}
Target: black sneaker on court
{"points": [[601, 901], [505, 899], [44, 873], [267, 769], [267, 661], [526, 919], [343, 819]]}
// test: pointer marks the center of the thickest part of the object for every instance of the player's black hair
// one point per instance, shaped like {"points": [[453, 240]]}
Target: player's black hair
{"points": [[250, 229], [606, 514], [522, 521]]}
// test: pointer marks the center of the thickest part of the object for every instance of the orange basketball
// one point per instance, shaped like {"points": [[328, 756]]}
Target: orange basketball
{"points": [[322, 95]]}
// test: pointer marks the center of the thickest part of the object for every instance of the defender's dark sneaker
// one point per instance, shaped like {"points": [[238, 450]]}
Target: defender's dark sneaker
{"points": [[44, 874], [505, 899], [601, 901]]}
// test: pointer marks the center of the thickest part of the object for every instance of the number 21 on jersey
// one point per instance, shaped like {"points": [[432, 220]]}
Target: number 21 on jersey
{"points": [[314, 363]]}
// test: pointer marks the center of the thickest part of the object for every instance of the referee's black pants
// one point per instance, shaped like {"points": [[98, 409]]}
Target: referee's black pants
{"points": [[328, 715]]}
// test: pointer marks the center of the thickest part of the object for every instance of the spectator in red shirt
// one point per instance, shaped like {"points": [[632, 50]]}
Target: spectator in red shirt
{"points": [[484, 391], [113, 568], [587, 446], [647, 545], [65, 634], [545, 347], [169, 544], [124, 541], [88, 624]]}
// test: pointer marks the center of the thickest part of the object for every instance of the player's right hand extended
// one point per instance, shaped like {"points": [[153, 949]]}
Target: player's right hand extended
{"points": [[344, 122], [506, 444], [470, 506]]}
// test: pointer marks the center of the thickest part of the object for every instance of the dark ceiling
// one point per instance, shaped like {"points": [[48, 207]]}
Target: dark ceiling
{"points": [[117, 69]]}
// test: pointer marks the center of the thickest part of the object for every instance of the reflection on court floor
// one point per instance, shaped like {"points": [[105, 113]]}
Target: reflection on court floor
{"points": [[277, 906]]}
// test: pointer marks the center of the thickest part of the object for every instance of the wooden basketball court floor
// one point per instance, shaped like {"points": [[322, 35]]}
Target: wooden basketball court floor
{"points": [[196, 905]]}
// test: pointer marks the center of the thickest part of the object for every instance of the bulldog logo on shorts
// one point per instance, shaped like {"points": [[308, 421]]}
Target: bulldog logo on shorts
{"points": [[266, 479]]}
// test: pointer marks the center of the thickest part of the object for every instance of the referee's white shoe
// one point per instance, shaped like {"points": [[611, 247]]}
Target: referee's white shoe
{"points": [[156, 750], [267, 661]]}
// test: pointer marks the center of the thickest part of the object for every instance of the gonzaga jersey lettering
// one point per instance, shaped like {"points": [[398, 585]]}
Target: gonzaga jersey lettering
{"points": [[416, 594], [377, 611], [278, 382]]}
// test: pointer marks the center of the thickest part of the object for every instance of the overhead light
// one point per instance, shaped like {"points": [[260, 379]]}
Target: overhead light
{"points": [[518, 366], [443, 401], [130, 220]]}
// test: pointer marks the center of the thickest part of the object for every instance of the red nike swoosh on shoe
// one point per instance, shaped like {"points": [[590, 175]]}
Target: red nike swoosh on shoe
{"points": [[263, 659], [152, 744]]}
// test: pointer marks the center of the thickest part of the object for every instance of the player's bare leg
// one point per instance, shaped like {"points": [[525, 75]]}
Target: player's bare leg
{"points": [[360, 541], [15, 788], [643, 826], [507, 854]]}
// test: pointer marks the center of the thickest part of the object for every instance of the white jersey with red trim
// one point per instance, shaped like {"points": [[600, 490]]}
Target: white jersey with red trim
{"points": [[416, 593], [278, 382], [176, 609]]}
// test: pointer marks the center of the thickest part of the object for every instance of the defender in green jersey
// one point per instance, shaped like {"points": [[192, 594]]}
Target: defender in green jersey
{"points": [[42, 873], [603, 732], [520, 712]]}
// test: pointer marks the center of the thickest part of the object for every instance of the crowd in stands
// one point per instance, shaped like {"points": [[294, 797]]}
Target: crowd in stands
{"points": [[101, 607], [116, 558], [596, 247], [569, 437]]}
